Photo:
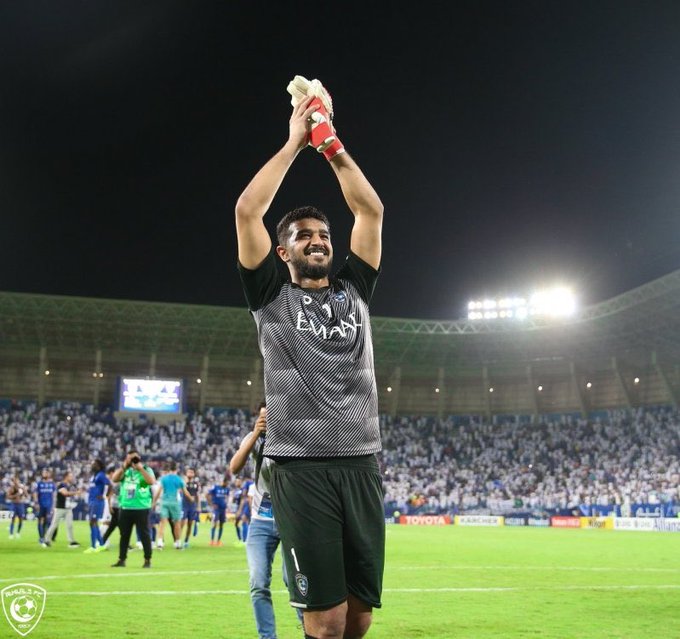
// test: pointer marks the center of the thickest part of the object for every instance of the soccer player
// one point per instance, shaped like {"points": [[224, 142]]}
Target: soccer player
{"points": [[95, 503], [171, 485], [17, 494], [263, 538], [217, 500], [237, 498], [44, 496], [322, 408], [191, 507], [65, 503], [243, 514]]}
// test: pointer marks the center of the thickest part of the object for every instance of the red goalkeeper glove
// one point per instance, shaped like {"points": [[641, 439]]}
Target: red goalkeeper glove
{"points": [[322, 135]]}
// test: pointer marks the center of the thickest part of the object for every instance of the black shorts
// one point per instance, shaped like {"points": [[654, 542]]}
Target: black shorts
{"points": [[331, 519]]}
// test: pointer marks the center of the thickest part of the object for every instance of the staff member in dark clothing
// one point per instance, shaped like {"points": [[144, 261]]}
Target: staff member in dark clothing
{"points": [[135, 498], [66, 492], [114, 508]]}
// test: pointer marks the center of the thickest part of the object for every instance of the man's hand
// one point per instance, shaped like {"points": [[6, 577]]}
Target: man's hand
{"points": [[260, 426], [322, 135], [300, 122]]}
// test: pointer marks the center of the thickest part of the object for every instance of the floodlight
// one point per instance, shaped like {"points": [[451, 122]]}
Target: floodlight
{"points": [[557, 302]]}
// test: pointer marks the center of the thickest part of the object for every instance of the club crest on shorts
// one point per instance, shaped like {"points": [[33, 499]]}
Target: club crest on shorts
{"points": [[23, 605], [301, 583]]}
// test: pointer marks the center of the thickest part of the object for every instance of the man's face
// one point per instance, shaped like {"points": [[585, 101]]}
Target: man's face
{"points": [[190, 473], [45, 473], [309, 249]]}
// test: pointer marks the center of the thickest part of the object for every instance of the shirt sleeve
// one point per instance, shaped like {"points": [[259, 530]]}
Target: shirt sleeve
{"points": [[361, 274], [262, 284]]}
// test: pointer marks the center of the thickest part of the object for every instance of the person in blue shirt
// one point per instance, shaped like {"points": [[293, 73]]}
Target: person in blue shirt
{"points": [[95, 502], [171, 486], [44, 497], [238, 497], [243, 512], [17, 495], [217, 500], [191, 507]]}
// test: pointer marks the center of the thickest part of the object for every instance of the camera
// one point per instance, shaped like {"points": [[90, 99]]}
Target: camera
{"points": [[135, 460]]}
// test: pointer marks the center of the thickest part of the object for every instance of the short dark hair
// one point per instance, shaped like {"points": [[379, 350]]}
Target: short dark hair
{"points": [[300, 213]]}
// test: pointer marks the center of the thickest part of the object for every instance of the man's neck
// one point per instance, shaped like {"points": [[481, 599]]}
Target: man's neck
{"points": [[306, 282]]}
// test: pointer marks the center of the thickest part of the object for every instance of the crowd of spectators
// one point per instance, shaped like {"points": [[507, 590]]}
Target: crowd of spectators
{"points": [[623, 458], [429, 464]]}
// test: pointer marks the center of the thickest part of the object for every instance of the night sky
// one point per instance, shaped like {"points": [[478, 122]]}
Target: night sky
{"points": [[514, 144]]}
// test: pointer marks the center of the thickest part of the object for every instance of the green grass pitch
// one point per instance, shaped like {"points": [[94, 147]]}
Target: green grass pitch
{"points": [[440, 583]]}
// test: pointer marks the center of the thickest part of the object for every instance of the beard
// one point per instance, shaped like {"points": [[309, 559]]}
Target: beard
{"points": [[311, 271]]}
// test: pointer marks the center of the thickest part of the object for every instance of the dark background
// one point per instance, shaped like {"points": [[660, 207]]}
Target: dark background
{"points": [[514, 144]]}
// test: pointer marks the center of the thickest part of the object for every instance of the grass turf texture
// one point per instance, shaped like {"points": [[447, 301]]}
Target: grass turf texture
{"points": [[440, 582]]}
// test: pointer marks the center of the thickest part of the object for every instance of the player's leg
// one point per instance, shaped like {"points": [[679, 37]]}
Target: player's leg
{"points": [[41, 524], [310, 520], [245, 526], [113, 524], [68, 516], [161, 529], [213, 528], [59, 515], [260, 548], [222, 517], [12, 520], [177, 526], [364, 542], [188, 521], [94, 528]]}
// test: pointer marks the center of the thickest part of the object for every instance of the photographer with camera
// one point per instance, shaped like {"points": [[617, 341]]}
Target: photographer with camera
{"points": [[134, 500]]}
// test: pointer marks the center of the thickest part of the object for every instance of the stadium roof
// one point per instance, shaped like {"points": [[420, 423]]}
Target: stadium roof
{"points": [[639, 321]]}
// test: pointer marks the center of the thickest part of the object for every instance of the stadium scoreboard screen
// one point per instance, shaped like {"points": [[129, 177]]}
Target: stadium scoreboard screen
{"points": [[150, 395]]}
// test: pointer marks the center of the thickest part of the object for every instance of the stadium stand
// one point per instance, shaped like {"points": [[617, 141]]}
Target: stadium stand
{"points": [[535, 415], [434, 368], [431, 465]]}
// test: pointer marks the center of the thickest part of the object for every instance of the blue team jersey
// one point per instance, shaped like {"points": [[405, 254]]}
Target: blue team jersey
{"points": [[45, 490], [236, 499], [219, 496], [246, 504], [98, 484]]}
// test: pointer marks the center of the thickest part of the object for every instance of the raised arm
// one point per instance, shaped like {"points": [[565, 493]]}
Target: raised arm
{"points": [[238, 461], [366, 206], [253, 239]]}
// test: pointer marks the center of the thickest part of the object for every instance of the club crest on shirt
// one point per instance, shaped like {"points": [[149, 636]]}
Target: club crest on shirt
{"points": [[301, 583]]}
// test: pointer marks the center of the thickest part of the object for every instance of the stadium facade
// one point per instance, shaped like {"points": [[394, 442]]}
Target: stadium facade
{"points": [[623, 352]]}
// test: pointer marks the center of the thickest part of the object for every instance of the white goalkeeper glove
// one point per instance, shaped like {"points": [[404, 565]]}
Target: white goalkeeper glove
{"points": [[322, 135]]}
